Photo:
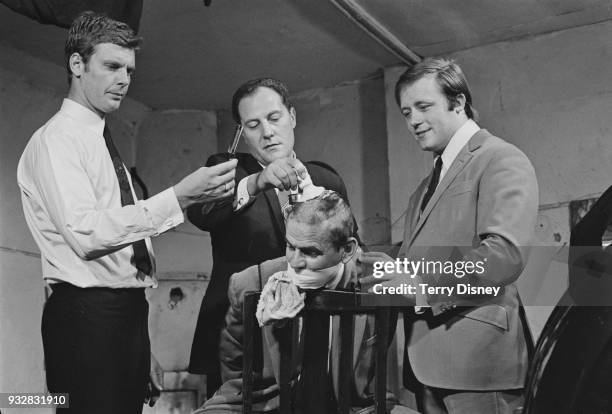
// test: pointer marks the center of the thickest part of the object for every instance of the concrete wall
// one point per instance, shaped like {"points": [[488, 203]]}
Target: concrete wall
{"points": [[172, 144], [21, 286]]}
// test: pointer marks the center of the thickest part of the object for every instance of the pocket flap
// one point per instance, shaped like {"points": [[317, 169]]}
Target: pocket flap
{"points": [[458, 188], [492, 314]]}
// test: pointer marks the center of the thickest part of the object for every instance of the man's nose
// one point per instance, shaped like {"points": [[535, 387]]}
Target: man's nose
{"points": [[123, 77], [415, 120], [267, 129], [297, 261]]}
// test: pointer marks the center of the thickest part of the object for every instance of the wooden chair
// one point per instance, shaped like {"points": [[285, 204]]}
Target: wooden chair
{"points": [[314, 389]]}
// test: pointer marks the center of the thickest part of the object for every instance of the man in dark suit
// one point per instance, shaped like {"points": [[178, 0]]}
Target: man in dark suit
{"points": [[251, 229], [467, 351]]}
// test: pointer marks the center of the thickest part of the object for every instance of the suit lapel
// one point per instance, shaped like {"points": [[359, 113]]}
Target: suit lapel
{"points": [[275, 210], [462, 159], [415, 208]]}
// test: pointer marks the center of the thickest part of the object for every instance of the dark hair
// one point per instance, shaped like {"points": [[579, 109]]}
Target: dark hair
{"points": [[89, 29], [330, 210], [449, 76], [249, 87]]}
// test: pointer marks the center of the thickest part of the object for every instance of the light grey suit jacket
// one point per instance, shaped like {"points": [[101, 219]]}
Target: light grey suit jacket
{"points": [[484, 209]]}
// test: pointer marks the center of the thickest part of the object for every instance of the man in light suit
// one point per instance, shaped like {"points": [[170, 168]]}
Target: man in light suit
{"points": [[320, 249], [252, 229], [468, 352]]}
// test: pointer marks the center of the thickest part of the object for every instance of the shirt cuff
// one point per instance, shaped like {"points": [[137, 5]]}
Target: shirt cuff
{"points": [[421, 299], [163, 210], [243, 198]]}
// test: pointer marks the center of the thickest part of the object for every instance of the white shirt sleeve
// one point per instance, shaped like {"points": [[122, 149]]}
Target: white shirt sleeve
{"points": [[421, 299], [243, 198], [82, 216]]}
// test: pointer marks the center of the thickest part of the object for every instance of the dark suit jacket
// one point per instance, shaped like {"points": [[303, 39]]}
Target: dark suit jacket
{"points": [[229, 397], [484, 209], [239, 240]]}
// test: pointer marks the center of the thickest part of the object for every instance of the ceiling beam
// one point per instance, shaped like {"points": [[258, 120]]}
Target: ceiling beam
{"points": [[354, 11]]}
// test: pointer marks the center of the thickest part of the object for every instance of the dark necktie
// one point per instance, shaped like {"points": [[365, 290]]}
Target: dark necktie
{"points": [[433, 183], [141, 254]]}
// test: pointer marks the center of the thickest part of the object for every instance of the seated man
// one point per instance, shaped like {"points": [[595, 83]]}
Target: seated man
{"points": [[320, 253]]}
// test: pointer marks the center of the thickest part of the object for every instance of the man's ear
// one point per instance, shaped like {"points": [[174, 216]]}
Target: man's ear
{"points": [[77, 66], [293, 117], [349, 249], [459, 103]]}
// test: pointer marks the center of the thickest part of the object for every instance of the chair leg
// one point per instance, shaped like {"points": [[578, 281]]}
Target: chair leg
{"points": [[382, 333], [347, 331], [250, 303]]}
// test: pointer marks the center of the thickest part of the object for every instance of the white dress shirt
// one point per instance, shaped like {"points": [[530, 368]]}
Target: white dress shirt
{"points": [[72, 204], [243, 198], [456, 144]]}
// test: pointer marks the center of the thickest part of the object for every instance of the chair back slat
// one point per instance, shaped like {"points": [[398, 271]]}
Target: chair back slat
{"points": [[382, 342], [314, 382], [250, 324], [284, 336], [347, 333]]}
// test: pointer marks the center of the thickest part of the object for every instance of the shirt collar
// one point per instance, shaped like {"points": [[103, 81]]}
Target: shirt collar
{"points": [[83, 115], [457, 142]]}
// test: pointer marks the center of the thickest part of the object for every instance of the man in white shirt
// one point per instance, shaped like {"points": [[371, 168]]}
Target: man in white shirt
{"points": [[477, 210], [93, 235], [251, 229]]}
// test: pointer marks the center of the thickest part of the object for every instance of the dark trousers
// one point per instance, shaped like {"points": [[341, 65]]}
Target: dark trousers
{"points": [[96, 345]]}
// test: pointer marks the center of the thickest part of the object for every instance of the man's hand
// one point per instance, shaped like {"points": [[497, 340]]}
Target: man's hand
{"points": [[156, 382], [283, 174], [207, 184], [352, 272], [367, 260]]}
